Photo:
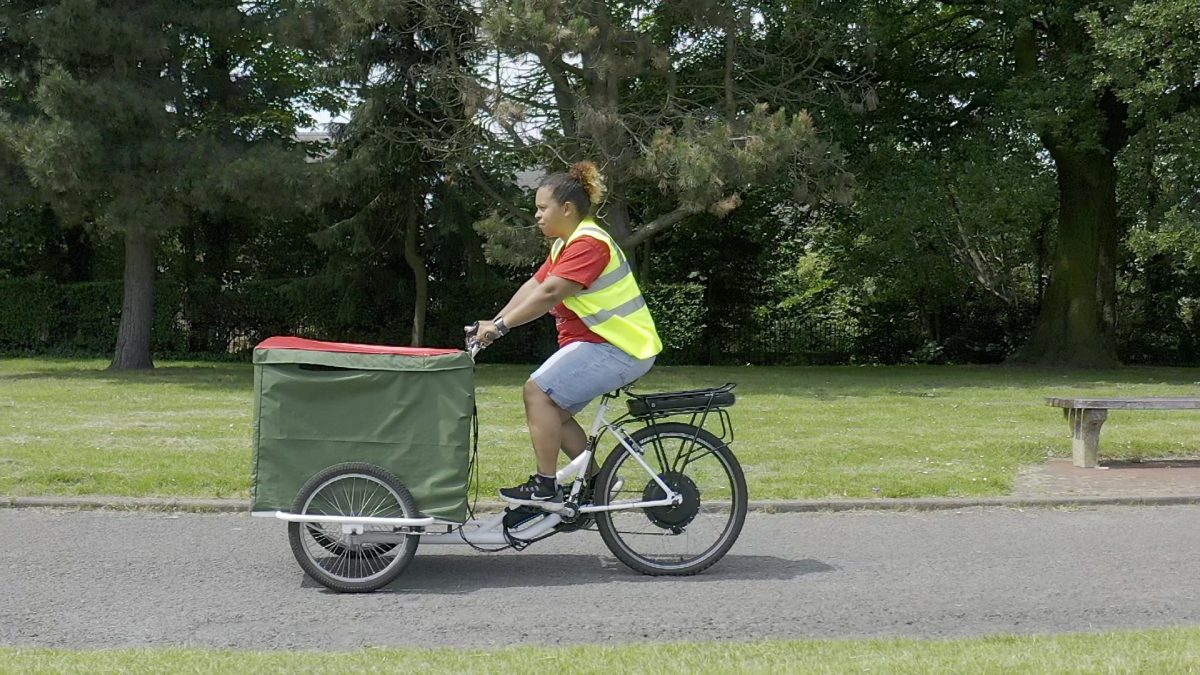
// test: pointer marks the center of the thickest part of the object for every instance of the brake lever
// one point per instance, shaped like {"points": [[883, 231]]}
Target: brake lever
{"points": [[473, 344]]}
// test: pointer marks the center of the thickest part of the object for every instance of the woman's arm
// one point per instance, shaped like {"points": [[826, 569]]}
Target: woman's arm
{"points": [[518, 297], [539, 300]]}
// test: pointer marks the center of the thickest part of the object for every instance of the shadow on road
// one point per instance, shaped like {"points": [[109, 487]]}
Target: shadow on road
{"points": [[455, 574]]}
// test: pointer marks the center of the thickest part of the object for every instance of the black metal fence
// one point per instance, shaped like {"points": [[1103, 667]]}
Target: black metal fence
{"points": [[795, 340]]}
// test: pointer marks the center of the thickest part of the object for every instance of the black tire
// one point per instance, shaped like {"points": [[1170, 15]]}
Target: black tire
{"points": [[328, 556], [714, 507]]}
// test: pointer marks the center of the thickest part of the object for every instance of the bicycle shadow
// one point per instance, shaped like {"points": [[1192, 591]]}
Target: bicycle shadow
{"points": [[460, 574]]}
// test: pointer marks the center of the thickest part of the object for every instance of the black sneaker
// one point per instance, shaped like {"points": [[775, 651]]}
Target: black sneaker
{"points": [[536, 490]]}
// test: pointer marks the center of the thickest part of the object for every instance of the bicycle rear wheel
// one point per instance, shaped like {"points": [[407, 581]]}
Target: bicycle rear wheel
{"points": [[675, 540], [343, 562]]}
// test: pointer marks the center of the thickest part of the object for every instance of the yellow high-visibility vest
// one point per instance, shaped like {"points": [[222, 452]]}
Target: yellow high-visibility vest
{"points": [[612, 307]]}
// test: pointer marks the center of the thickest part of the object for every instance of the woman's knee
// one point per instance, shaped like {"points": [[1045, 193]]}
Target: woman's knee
{"points": [[535, 398], [534, 393]]}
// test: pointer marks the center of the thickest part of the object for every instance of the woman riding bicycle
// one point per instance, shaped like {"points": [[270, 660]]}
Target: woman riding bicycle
{"points": [[606, 335]]}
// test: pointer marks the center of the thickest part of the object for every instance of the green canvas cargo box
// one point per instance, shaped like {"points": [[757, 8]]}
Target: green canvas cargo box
{"points": [[323, 403]]}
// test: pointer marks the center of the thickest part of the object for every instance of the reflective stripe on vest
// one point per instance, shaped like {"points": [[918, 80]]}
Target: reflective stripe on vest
{"points": [[603, 315], [613, 306], [607, 279]]}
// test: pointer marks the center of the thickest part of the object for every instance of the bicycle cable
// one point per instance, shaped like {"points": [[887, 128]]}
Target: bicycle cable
{"points": [[473, 482]]}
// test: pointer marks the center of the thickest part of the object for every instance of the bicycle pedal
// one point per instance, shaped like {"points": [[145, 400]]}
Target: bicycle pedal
{"points": [[518, 516]]}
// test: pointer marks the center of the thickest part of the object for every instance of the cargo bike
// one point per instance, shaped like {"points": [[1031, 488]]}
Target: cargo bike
{"points": [[367, 451]]}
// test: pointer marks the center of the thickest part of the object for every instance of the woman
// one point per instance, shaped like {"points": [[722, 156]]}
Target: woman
{"points": [[606, 335]]}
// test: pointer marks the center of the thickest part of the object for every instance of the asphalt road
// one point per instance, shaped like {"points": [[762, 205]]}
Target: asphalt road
{"points": [[92, 579]]}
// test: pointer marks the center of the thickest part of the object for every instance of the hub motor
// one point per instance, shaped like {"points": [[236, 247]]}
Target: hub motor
{"points": [[677, 517]]}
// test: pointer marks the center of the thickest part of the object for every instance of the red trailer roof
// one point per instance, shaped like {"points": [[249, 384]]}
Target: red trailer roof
{"points": [[281, 342]]}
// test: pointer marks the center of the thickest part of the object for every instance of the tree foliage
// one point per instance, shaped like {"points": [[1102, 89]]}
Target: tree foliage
{"points": [[947, 180], [148, 115], [388, 178], [665, 96], [1037, 70]]}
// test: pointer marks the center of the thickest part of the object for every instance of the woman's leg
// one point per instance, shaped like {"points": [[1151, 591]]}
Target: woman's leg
{"points": [[559, 388], [574, 441], [546, 427], [541, 413]]}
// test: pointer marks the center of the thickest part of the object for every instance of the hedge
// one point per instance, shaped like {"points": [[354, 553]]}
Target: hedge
{"points": [[200, 318]]}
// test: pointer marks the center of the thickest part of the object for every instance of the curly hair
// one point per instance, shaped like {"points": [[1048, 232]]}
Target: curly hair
{"points": [[582, 185]]}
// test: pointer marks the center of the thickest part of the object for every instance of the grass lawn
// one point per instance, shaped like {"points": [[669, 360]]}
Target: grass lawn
{"points": [[68, 427], [1153, 651]]}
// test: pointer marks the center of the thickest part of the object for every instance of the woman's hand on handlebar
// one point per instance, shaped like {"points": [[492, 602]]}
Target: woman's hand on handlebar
{"points": [[483, 332], [487, 333]]}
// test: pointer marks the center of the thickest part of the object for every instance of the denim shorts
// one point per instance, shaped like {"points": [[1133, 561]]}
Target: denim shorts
{"points": [[581, 371]]}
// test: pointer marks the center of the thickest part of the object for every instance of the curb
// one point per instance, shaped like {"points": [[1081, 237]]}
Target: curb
{"points": [[759, 506], [950, 503], [127, 504]]}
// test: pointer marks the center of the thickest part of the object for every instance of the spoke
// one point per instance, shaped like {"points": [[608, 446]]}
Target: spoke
{"points": [[663, 451], [381, 503], [691, 456], [331, 549], [335, 494], [328, 506], [652, 540], [353, 497]]}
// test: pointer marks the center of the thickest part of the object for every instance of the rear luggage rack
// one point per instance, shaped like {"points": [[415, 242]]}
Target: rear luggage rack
{"points": [[672, 403], [697, 403]]}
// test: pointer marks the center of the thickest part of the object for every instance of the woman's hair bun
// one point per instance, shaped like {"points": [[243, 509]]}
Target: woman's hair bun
{"points": [[588, 175]]}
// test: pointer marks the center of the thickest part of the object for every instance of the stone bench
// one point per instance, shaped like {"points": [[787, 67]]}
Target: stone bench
{"points": [[1087, 415]]}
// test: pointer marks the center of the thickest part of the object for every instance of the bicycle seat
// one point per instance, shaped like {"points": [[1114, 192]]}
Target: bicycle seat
{"points": [[670, 402]]}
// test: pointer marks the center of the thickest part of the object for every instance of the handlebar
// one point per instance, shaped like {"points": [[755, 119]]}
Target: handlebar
{"points": [[473, 345]]}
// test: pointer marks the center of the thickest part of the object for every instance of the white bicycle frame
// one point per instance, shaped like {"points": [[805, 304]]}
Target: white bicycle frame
{"points": [[491, 532]]}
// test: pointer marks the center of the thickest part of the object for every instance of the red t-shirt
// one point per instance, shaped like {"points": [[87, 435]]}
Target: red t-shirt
{"points": [[582, 261]]}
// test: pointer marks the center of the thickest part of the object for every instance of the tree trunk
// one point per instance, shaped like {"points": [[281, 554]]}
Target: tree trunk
{"points": [[137, 304], [1077, 322], [616, 221], [80, 253], [412, 254], [644, 271], [477, 268]]}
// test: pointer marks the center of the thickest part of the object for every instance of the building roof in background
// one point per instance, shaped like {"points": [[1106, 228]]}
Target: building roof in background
{"points": [[529, 179], [317, 136], [313, 136]]}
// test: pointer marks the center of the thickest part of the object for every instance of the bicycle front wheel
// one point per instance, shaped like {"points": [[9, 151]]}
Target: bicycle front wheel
{"points": [[678, 540]]}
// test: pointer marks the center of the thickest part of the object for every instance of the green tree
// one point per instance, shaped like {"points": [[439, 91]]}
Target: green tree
{"points": [[945, 246], [1150, 56], [669, 98], [147, 113], [389, 176], [1046, 67], [20, 221]]}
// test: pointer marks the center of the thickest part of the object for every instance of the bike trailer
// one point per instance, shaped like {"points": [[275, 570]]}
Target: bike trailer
{"points": [[408, 410]]}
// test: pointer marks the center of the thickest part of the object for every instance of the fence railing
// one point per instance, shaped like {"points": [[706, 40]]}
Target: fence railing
{"points": [[794, 340]]}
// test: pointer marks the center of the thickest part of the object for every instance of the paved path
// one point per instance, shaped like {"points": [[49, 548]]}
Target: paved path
{"points": [[1059, 478], [118, 579]]}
